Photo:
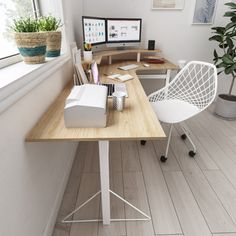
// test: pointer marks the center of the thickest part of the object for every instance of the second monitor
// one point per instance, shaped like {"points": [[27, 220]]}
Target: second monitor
{"points": [[123, 32]]}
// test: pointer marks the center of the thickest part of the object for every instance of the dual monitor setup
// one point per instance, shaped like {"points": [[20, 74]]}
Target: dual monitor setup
{"points": [[112, 32]]}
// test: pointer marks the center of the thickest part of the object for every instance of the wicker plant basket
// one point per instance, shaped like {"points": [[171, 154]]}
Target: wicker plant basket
{"points": [[53, 44], [32, 46]]}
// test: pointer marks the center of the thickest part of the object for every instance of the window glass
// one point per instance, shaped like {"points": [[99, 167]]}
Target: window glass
{"points": [[9, 10]]}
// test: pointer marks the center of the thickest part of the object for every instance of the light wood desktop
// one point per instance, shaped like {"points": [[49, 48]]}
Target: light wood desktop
{"points": [[137, 121]]}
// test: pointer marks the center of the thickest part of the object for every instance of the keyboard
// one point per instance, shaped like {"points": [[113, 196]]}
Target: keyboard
{"points": [[111, 88], [128, 67]]}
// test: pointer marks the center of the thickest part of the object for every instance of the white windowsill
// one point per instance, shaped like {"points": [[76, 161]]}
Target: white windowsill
{"points": [[18, 79]]}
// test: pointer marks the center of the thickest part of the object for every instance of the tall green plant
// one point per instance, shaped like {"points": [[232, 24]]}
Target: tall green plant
{"points": [[25, 24], [49, 23], [225, 58]]}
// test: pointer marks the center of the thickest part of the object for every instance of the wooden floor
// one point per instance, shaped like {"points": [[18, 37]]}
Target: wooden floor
{"points": [[184, 196]]}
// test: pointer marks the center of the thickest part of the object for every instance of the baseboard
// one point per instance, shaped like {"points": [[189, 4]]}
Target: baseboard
{"points": [[55, 209]]}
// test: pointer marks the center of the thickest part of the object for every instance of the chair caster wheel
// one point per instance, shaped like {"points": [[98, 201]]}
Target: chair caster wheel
{"points": [[183, 136], [163, 159], [143, 142], [192, 153]]}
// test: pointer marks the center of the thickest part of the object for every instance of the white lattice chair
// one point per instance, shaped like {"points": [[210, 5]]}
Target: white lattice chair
{"points": [[190, 92]]}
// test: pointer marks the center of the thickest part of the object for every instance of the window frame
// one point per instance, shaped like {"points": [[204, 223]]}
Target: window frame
{"points": [[14, 58]]}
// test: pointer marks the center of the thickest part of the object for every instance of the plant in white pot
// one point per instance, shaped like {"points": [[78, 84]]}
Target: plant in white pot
{"points": [[30, 42], [50, 25], [225, 60]]}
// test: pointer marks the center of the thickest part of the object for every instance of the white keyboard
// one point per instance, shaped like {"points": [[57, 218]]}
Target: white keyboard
{"points": [[128, 67]]}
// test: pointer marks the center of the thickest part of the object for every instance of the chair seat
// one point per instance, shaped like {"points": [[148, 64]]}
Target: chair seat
{"points": [[174, 110]]}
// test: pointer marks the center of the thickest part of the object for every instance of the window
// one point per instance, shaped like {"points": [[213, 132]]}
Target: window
{"points": [[9, 10]]}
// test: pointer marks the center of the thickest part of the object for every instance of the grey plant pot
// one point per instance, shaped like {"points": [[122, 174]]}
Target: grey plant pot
{"points": [[225, 108]]}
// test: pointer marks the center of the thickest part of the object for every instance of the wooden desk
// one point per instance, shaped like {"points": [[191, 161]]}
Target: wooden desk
{"points": [[138, 121]]}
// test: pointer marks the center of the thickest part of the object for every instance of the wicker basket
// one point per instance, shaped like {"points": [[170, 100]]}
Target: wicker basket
{"points": [[53, 44], [32, 46]]}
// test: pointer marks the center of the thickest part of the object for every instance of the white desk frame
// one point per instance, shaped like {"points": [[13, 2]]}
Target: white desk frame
{"points": [[105, 193], [165, 76]]}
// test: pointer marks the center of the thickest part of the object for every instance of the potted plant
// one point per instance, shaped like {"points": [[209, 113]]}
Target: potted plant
{"points": [[30, 42], [88, 56], [50, 24], [225, 60]]}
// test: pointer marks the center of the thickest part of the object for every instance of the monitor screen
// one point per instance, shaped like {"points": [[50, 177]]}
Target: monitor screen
{"points": [[94, 30], [124, 30]]}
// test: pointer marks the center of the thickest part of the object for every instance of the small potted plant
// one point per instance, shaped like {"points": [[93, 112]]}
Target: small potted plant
{"points": [[30, 42], [50, 24], [88, 56], [225, 60]]}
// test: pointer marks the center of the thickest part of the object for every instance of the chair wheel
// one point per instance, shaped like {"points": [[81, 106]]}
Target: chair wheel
{"points": [[183, 136], [143, 142], [163, 159], [192, 153]]}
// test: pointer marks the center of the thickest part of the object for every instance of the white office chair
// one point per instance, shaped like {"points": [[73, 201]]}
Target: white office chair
{"points": [[190, 92]]}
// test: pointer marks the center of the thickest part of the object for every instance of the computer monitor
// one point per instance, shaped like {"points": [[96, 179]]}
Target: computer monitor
{"points": [[123, 32], [94, 30]]}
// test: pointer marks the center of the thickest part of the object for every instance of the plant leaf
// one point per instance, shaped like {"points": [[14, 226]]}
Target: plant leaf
{"points": [[217, 38]]}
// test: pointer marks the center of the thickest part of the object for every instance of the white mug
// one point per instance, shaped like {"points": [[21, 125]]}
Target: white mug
{"points": [[88, 56], [118, 100]]}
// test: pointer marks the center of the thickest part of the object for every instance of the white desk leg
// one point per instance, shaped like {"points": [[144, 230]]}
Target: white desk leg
{"points": [[105, 193], [104, 177], [168, 77], [138, 56], [167, 81]]}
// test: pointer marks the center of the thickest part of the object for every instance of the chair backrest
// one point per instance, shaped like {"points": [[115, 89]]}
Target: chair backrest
{"points": [[196, 84]]}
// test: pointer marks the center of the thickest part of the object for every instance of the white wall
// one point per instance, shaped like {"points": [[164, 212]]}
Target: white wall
{"points": [[171, 29], [33, 176]]}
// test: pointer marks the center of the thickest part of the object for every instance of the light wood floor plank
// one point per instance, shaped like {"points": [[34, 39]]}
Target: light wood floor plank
{"points": [[180, 150], [171, 164], [191, 219], [202, 158], [169, 234], [91, 164], [202, 201], [229, 234], [226, 164], [61, 229], [212, 209], [130, 156], [115, 156], [135, 193], [202, 191], [72, 188], [89, 186], [222, 135], [163, 213], [225, 191], [117, 208]]}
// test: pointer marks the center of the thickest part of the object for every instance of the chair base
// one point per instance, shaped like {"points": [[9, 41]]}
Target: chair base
{"points": [[143, 142], [185, 135], [163, 159]]}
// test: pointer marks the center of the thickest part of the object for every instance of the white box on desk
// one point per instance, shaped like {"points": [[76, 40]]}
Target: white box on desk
{"points": [[86, 107]]}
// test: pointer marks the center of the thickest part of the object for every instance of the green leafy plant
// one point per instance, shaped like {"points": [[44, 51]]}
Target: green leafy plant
{"points": [[49, 23], [27, 24], [225, 60]]}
